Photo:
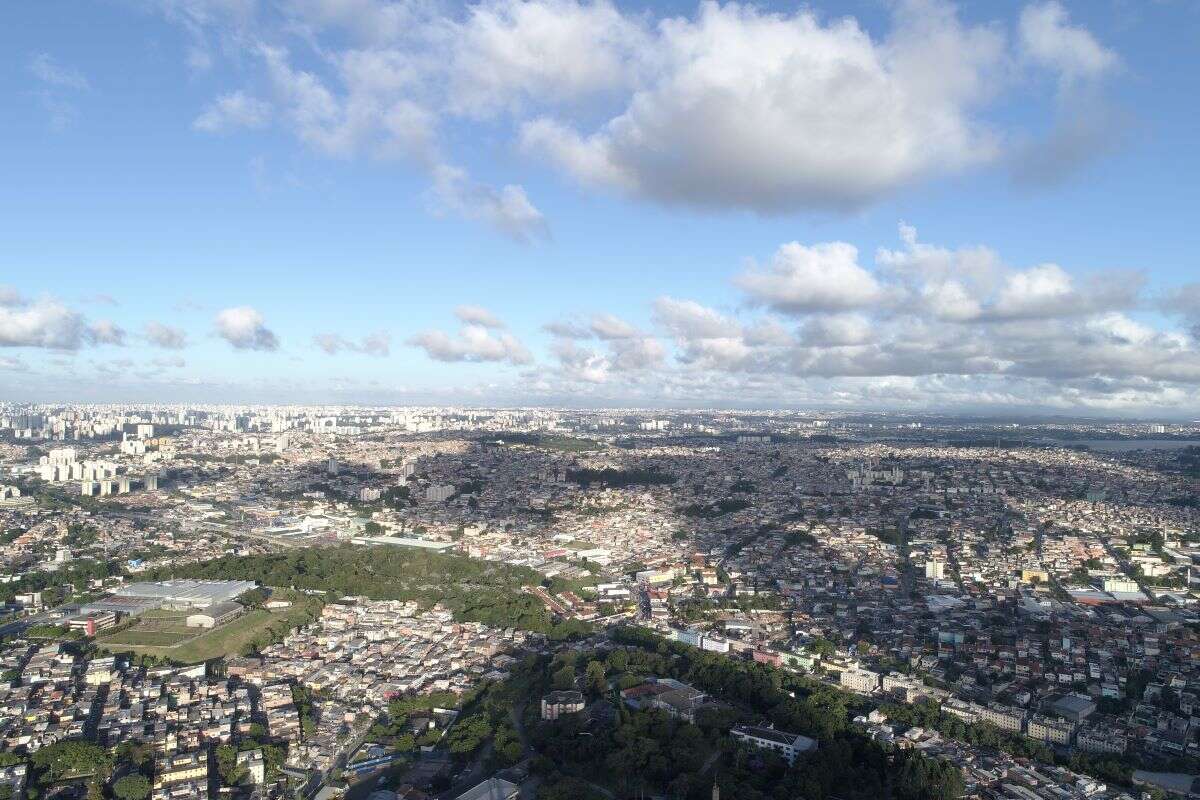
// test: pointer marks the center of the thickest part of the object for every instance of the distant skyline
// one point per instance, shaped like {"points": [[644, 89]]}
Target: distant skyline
{"points": [[915, 205]]}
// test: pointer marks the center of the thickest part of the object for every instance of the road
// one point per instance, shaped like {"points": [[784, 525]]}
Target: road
{"points": [[218, 527], [19, 626]]}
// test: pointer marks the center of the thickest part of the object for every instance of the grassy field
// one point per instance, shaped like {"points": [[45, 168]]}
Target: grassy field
{"points": [[138, 638], [163, 636], [562, 444]]}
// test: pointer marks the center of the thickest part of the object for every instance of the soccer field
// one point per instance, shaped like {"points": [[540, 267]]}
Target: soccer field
{"points": [[165, 636]]}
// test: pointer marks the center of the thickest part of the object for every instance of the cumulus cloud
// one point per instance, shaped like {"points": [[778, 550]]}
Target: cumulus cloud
{"points": [[689, 319], [507, 209], [42, 323], [376, 113], [1048, 38], [377, 344], [836, 330], [730, 107], [610, 327], [1086, 125], [743, 108], [106, 332], [509, 53], [578, 363], [478, 315], [822, 277], [925, 318], [244, 328], [479, 339], [635, 354], [973, 283], [231, 111], [623, 351], [164, 336], [600, 326], [1185, 302]]}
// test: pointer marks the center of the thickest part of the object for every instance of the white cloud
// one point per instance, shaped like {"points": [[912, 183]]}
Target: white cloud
{"points": [[1182, 300], [607, 327], [106, 332], [507, 209], [478, 315], [950, 300], [742, 108], [634, 354], [377, 344], [1116, 328], [164, 336], [836, 330], [691, 320], [58, 83], [1047, 38], [946, 322], [43, 323], [508, 53], [629, 352], [823, 277], [973, 284], [610, 326], [580, 364], [1036, 292], [232, 111], [474, 343], [50, 71], [731, 107], [9, 296], [244, 328]]}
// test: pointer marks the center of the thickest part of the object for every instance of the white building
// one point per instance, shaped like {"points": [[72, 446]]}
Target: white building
{"points": [[859, 680], [787, 745], [492, 789], [438, 492]]}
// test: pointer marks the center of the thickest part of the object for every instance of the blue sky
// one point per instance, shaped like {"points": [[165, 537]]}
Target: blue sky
{"points": [[273, 180]]}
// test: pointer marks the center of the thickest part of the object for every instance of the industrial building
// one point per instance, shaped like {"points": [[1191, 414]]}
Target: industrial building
{"points": [[185, 595]]}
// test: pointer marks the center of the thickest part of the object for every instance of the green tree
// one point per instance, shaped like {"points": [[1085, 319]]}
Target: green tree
{"points": [[230, 771], [595, 677], [564, 678], [71, 757], [132, 787]]}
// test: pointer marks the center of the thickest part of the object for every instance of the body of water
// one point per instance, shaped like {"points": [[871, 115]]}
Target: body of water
{"points": [[1125, 445]]}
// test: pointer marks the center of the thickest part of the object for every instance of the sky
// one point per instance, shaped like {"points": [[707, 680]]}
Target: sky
{"points": [[911, 205]]}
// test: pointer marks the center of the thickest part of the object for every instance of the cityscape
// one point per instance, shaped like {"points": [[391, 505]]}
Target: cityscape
{"points": [[280, 601], [599, 400]]}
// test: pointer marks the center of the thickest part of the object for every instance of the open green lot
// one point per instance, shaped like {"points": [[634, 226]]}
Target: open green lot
{"points": [[137, 637], [165, 635]]}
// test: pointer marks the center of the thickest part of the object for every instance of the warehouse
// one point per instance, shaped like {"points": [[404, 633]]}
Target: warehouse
{"points": [[185, 595]]}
